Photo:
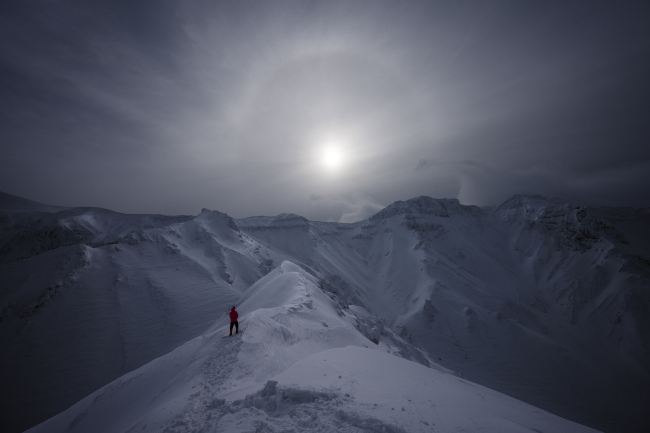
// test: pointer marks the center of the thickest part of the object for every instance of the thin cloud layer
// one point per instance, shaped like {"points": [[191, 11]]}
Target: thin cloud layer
{"points": [[170, 107]]}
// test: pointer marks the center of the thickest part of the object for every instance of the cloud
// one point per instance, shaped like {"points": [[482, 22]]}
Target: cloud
{"points": [[219, 104], [486, 184], [345, 209], [425, 163], [360, 210]]}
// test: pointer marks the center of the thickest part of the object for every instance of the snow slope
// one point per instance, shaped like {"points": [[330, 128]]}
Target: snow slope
{"points": [[543, 300], [300, 365], [75, 315]]}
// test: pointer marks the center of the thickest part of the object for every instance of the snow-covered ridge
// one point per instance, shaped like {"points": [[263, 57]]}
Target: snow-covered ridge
{"points": [[281, 222], [534, 298], [299, 365], [426, 206], [35, 232]]}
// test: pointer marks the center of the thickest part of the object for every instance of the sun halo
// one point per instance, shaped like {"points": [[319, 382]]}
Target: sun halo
{"points": [[332, 156]]}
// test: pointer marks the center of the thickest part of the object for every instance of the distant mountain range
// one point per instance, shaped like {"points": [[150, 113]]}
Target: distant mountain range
{"points": [[542, 300]]}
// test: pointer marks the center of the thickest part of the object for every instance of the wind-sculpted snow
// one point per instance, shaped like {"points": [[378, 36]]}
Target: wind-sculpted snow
{"points": [[536, 298], [298, 365], [88, 295]]}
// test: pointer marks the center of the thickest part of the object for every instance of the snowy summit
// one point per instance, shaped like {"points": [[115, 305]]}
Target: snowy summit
{"points": [[429, 316]]}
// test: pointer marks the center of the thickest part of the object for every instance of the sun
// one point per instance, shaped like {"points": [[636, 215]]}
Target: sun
{"points": [[332, 156]]}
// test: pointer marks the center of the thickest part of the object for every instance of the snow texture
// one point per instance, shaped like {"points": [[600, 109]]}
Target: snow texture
{"points": [[542, 300], [285, 374]]}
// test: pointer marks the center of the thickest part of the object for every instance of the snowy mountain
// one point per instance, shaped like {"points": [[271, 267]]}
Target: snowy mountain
{"points": [[542, 300], [299, 365]]}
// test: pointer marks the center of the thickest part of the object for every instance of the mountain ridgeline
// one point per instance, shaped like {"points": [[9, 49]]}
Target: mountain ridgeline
{"points": [[543, 300]]}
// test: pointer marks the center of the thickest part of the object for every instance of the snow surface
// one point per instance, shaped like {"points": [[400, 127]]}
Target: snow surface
{"points": [[540, 299], [299, 365]]}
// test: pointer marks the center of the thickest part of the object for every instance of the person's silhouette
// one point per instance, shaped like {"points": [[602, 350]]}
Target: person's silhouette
{"points": [[233, 321]]}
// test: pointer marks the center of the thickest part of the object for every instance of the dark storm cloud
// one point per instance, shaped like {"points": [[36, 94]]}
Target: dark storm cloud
{"points": [[174, 106]]}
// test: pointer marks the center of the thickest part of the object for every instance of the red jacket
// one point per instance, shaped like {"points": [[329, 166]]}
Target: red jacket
{"points": [[233, 315]]}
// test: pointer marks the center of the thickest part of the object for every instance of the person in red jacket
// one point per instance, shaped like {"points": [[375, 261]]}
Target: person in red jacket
{"points": [[233, 321]]}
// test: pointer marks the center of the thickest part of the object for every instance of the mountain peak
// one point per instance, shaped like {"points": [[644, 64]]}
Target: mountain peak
{"points": [[279, 222], [424, 205], [284, 217], [216, 216]]}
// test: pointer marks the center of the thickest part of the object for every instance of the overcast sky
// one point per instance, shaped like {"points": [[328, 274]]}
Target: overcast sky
{"points": [[331, 110]]}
